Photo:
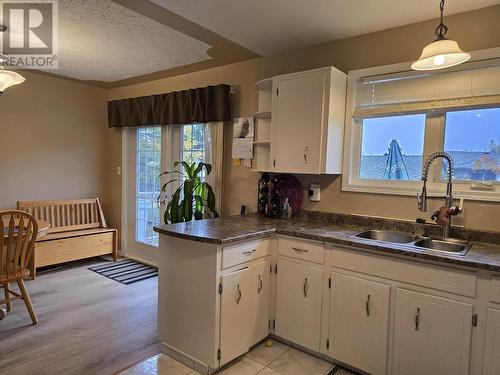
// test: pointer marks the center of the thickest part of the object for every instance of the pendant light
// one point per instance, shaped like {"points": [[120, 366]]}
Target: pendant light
{"points": [[443, 52], [8, 78]]}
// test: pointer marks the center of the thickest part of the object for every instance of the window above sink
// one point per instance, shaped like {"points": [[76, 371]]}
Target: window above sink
{"points": [[397, 117]]}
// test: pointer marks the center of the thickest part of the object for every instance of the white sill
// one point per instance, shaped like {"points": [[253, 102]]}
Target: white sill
{"points": [[460, 190]]}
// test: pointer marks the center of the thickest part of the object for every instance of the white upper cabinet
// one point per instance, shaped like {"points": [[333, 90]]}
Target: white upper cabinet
{"points": [[432, 335], [307, 126], [359, 323]]}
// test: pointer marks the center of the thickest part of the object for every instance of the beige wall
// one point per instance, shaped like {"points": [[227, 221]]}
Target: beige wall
{"points": [[69, 152], [475, 30], [52, 140]]}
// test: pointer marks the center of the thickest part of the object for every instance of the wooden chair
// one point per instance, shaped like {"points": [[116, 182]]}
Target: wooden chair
{"points": [[18, 231]]}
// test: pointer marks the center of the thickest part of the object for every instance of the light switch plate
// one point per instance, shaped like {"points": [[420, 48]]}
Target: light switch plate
{"points": [[314, 192]]}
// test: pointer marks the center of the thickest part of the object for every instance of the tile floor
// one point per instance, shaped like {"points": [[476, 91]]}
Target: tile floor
{"points": [[280, 359]]}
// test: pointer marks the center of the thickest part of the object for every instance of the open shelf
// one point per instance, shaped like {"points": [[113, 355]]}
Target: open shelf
{"points": [[264, 84], [262, 115]]}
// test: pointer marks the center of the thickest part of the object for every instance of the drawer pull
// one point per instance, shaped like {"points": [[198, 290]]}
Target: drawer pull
{"points": [[239, 295], [259, 288], [367, 305], [417, 319], [305, 287], [249, 252], [299, 250]]}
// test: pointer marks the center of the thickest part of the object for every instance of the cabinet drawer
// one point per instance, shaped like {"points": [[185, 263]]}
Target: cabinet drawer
{"points": [[52, 252], [304, 250], [450, 280], [240, 253], [495, 289]]}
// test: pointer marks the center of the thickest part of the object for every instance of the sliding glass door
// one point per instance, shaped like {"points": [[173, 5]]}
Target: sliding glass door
{"points": [[147, 158], [148, 151]]}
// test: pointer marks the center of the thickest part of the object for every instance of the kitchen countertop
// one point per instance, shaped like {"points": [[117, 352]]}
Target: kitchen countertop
{"points": [[239, 228]]}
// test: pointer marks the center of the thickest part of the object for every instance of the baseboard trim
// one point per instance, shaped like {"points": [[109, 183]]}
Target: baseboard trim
{"points": [[186, 359]]}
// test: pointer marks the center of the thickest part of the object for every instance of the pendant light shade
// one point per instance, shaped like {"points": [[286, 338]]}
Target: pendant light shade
{"points": [[440, 54], [9, 78], [443, 52]]}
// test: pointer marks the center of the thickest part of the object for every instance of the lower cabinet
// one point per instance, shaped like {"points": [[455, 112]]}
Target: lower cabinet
{"points": [[432, 335], [234, 314], [260, 294], [359, 323], [492, 346], [244, 313], [298, 302]]}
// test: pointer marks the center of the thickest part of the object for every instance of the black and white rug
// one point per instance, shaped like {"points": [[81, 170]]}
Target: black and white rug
{"points": [[339, 370], [126, 271]]}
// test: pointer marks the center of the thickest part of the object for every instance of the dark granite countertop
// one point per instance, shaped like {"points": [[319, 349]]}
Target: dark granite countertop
{"points": [[238, 228]]}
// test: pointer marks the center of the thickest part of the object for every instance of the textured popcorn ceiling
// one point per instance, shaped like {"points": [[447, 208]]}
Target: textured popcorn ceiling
{"points": [[100, 40]]}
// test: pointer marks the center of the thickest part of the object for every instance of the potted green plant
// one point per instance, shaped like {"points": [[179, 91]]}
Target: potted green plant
{"points": [[194, 198]]}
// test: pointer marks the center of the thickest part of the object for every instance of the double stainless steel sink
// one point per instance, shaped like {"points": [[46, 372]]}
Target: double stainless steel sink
{"points": [[443, 245]]}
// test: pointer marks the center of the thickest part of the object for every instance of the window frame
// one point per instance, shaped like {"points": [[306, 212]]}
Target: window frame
{"points": [[433, 141], [181, 141]]}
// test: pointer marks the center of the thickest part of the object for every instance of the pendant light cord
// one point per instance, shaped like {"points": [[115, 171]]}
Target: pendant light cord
{"points": [[442, 29]]}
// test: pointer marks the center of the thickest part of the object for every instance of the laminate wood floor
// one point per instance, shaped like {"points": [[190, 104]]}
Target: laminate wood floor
{"points": [[88, 324]]}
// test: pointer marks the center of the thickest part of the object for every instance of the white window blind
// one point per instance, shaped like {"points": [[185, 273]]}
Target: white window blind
{"points": [[415, 92]]}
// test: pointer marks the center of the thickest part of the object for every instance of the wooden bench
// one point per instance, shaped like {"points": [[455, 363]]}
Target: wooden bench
{"points": [[78, 231]]}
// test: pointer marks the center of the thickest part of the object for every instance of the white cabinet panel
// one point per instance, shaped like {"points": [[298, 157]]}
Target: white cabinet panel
{"points": [[432, 335], [298, 111], [492, 347], [359, 323], [298, 303], [234, 316], [260, 289]]}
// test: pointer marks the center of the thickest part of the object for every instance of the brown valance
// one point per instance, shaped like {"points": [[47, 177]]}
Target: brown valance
{"points": [[204, 104]]}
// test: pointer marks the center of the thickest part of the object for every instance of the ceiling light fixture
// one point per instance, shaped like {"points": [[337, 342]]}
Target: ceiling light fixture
{"points": [[443, 52], [8, 78]]}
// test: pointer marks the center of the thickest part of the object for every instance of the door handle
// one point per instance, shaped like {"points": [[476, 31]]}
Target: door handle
{"points": [[259, 288], [417, 319], [305, 287], [299, 250], [305, 155], [239, 295], [367, 305], [248, 252]]}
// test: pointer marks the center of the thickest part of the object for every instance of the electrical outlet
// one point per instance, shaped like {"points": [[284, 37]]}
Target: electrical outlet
{"points": [[314, 192]]}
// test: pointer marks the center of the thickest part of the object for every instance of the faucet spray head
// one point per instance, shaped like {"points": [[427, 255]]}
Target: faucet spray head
{"points": [[422, 199]]}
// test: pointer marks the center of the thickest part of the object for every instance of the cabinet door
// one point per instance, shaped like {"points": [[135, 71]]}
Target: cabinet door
{"points": [[260, 289], [298, 115], [359, 323], [432, 335], [492, 347], [234, 315], [298, 303]]}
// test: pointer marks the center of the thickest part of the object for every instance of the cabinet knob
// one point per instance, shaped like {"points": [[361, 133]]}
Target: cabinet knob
{"points": [[259, 287], [417, 319], [239, 295]]}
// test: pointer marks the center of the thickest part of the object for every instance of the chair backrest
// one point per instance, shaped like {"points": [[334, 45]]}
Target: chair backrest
{"points": [[66, 215], [18, 231]]}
